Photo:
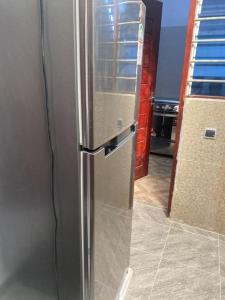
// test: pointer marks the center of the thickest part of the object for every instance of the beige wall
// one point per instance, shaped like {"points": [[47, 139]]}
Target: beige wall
{"points": [[199, 192]]}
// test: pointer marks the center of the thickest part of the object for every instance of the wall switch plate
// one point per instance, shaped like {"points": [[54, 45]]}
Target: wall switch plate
{"points": [[210, 133]]}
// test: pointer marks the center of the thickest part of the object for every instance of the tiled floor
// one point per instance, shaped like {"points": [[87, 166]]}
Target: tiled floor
{"points": [[173, 261], [154, 188]]}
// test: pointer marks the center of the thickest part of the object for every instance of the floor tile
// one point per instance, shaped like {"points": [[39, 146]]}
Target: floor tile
{"points": [[144, 260], [196, 230], [222, 257], [173, 261], [149, 214], [154, 188], [187, 283], [148, 237], [141, 285], [223, 288], [102, 292], [187, 249], [222, 237], [98, 289]]}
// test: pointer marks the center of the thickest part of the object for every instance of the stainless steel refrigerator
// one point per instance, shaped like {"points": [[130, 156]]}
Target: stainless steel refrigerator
{"points": [[69, 77]]}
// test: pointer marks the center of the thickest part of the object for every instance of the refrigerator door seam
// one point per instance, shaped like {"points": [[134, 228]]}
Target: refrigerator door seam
{"points": [[77, 67], [87, 225], [82, 224], [86, 59]]}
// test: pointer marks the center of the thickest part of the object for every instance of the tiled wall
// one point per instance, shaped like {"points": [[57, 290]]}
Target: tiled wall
{"points": [[199, 192]]}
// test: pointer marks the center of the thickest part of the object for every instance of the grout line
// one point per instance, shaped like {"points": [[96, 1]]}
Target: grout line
{"points": [[219, 267], [179, 222], [141, 202], [209, 237], [157, 271], [171, 222]]}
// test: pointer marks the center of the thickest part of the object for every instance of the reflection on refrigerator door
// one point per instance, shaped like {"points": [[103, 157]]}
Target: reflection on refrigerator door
{"points": [[110, 198], [108, 152]]}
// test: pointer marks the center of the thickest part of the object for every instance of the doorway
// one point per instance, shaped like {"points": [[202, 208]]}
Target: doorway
{"points": [[164, 50]]}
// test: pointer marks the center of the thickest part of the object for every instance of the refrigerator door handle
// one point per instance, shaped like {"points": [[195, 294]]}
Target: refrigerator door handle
{"points": [[115, 143]]}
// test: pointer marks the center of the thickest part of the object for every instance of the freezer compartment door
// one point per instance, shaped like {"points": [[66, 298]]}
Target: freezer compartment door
{"points": [[111, 56], [112, 114], [109, 179]]}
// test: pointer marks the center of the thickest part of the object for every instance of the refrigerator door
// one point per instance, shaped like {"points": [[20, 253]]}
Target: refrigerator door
{"points": [[112, 36], [27, 223], [108, 174]]}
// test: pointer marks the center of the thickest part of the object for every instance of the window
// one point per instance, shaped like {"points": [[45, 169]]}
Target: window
{"points": [[207, 65], [117, 44]]}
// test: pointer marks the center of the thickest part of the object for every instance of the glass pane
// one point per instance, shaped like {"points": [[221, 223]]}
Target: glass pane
{"points": [[105, 84], [214, 29], [126, 85], [125, 69], [104, 2], [209, 71], [210, 29], [105, 34], [105, 15], [208, 89], [127, 51], [128, 32], [210, 51], [105, 51], [213, 8], [129, 12], [104, 68], [115, 42]]}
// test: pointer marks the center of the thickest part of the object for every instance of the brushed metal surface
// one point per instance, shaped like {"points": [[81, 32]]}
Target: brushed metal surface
{"points": [[61, 73], [104, 114], [27, 263], [110, 215], [113, 113], [86, 65]]}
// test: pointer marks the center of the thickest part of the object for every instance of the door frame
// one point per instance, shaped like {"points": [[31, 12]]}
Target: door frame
{"points": [[148, 85], [187, 56]]}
